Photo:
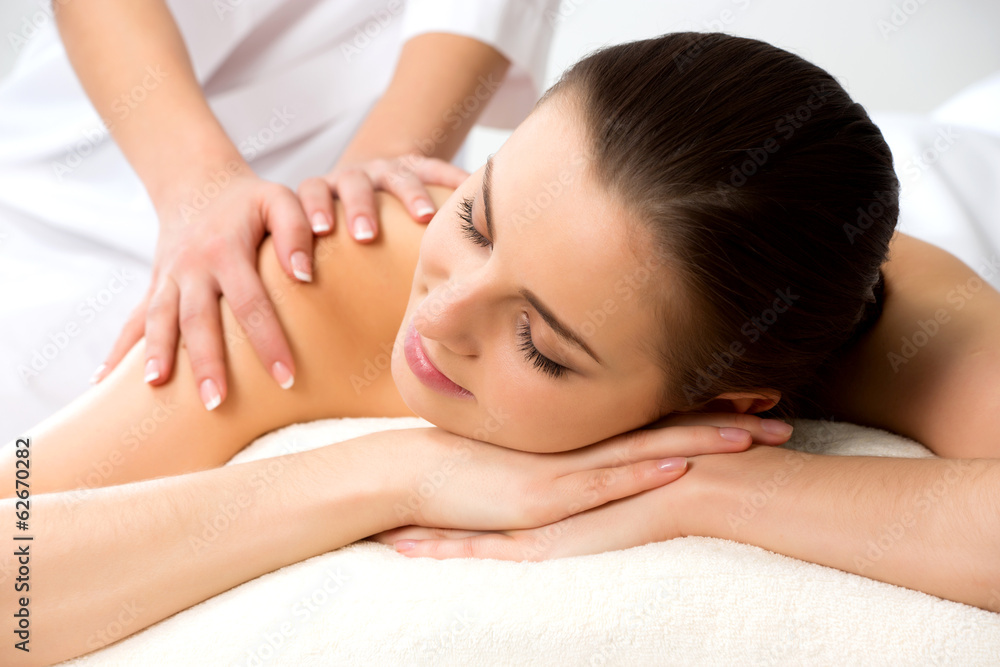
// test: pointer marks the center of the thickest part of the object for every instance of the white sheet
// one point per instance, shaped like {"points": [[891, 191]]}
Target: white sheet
{"points": [[687, 601]]}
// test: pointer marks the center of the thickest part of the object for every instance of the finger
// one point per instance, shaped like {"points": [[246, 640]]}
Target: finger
{"points": [[763, 431], [409, 190], [161, 333], [293, 238], [488, 545], [317, 202], [201, 330], [439, 172], [650, 444], [130, 334], [355, 190], [253, 310], [421, 533], [593, 488]]}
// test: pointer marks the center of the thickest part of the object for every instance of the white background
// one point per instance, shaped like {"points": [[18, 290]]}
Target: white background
{"points": [[937, 48]]}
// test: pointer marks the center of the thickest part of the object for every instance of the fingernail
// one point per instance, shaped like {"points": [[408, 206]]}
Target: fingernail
{"points": [[734, 434], [152, 371], [97, 373], [210, 394], [320, 222], [405, 545], [300, 266], [282, 375], [675, 463], [364, 230], [423, 208], [776, 427]]}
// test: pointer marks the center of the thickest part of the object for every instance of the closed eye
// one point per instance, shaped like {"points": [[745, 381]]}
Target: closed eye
{"points": [[469, 229]]}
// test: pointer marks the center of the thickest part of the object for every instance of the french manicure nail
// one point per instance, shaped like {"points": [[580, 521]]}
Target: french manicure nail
{"points": [[97, 373], [209, 394], [405, 545], [423, 208], [300, 266], [320, 222], [776, 427], [152, 371], [734, 434], [282, 375], [364, 230], [671, 464]]}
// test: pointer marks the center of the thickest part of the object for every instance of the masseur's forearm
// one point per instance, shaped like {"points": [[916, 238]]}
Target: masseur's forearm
{"points": [[107, 564], [440, 86], [928, 524], [135, 68]]}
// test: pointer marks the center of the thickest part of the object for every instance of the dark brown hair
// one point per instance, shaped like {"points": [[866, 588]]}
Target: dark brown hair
{"points": [[768, 190]]}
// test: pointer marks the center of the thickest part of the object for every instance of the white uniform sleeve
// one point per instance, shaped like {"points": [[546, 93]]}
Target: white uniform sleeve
{"points": [[520, 29]]}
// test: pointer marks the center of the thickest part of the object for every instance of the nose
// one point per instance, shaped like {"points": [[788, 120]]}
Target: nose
{"points": [[454, 314]]}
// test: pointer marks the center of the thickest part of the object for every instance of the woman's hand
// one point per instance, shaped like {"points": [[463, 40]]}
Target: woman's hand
{"points": [[476, 487], [639, 514], [355, 184], [206, 247]]}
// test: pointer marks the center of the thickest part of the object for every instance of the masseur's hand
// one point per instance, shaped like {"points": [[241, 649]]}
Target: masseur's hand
{"points": [[355, 183], [645, 515], [208, 247]]}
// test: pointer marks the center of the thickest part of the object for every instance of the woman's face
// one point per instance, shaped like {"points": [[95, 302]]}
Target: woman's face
{"points": [[531, 320]]}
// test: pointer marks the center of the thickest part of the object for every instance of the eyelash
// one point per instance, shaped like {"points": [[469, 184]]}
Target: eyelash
{"points": [[526, 344], [470, 231], [534, 357]]}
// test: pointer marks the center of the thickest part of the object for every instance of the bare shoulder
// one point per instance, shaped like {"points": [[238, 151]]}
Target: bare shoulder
{"points": [[341, 327], [928, 369]]}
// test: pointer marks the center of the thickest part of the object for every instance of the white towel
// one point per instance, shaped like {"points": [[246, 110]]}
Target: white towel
{"points": [[686, 601]]}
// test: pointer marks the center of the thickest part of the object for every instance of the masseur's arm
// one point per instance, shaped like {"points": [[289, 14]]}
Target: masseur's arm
{"points": [[207, 244]]}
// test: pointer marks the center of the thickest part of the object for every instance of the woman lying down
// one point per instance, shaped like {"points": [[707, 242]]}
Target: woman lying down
{"points": [[604, 271]]}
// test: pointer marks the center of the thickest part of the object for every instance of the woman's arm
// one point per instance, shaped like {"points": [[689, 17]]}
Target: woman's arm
{"points": [[152, 548], [932, 525]]}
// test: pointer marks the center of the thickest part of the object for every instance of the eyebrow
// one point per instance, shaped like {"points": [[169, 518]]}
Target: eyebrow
{"points": [[562, 330], [487, 186], [565, 332]]}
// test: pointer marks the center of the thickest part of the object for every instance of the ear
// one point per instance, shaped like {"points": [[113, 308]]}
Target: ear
{"points": [[746, 402]]}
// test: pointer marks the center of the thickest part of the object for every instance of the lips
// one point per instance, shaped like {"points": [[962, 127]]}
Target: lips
{"points": [[427, 372]]}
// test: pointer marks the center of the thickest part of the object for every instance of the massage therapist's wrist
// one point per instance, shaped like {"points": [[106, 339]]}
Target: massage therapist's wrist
{"points": [[194, 174]]}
